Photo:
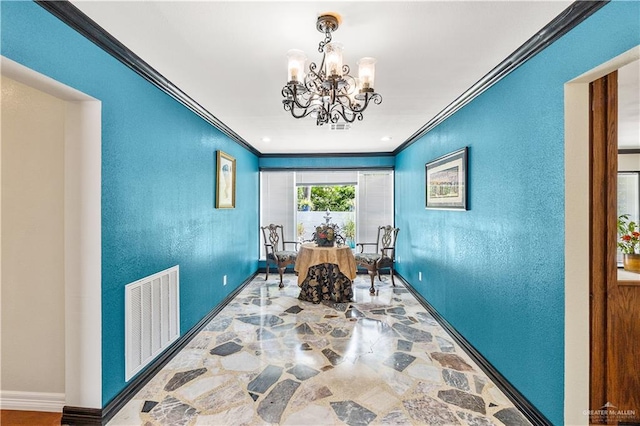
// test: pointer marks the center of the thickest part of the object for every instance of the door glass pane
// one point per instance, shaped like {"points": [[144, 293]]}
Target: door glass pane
{"points": [[628, 197]]}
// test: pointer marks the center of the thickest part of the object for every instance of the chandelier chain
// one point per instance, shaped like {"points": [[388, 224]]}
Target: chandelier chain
{"points": [[327, 40]]}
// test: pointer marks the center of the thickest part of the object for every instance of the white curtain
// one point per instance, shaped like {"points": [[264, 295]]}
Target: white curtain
{"points": [[278, 204], [374, 204]]}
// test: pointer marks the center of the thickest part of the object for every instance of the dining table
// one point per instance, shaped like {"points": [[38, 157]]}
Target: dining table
{"points": [[325, 273]]}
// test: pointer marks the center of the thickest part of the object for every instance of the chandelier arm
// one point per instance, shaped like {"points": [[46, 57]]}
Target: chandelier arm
{"points": [[315, 77], [290, 92], [360, 107], [376, 98], [313, 67], [347, 105], [305, 105], [292, 105], [339, 110], [303, 114], [286, 93], [350, 81], [313, 84], [335, 116], [293, 98], [323, 115], [321, 75]]}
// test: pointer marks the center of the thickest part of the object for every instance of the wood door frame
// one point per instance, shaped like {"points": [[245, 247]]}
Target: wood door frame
{"points": [[603, 214]]}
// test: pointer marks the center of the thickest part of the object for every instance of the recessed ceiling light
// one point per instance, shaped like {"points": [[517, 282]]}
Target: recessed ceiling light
{"points": [[386, 138], [266, 139]]}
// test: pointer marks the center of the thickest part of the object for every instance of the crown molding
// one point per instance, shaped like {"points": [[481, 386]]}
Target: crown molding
{"points": [[329, 154], [559, 26], [76, 19]]}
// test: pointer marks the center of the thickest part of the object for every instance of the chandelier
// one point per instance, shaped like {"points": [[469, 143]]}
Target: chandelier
{"points": [[327, 92]]}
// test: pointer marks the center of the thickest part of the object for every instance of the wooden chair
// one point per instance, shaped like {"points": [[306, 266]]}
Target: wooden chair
{"points": [[275, 247], [383, 255]]}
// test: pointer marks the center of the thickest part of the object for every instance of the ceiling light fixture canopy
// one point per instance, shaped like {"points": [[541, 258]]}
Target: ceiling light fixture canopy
{"points": [[328, 92]]}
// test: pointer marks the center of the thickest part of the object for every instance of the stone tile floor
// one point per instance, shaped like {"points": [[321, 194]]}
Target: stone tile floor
{"points": [[269, 358]]}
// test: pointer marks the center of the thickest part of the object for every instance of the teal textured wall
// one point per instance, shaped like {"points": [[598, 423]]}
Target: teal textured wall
{"points": [[158, 181], [496, 272]]}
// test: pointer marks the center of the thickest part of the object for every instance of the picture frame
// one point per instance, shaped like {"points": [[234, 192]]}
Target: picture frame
{"points": [[225, 181], [446, 181]]}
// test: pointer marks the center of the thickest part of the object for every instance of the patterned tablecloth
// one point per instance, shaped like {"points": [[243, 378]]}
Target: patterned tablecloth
{"points": [[312, 255], [325, 273]]}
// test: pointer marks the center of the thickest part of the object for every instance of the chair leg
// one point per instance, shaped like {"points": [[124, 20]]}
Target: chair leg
{"points": [[281, 271], [391, 272], [372, 274], [267, 277]]}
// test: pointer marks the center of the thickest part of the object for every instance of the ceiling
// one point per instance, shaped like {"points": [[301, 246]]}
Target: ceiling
{"points": [[230, 57]]}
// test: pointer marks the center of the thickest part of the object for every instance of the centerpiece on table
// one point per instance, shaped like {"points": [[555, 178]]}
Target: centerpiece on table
{"points": [[326, 234], [629, 242]]}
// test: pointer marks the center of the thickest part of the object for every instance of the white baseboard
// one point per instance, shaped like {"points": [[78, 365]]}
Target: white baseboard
{"points": [[32, 401]]}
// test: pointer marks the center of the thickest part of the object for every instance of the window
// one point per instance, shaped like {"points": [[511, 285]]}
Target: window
{"points": [[372, 205]]}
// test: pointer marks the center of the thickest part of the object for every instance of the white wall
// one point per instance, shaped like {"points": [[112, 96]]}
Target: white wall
{"points": [[629, 162], [32, 277], [629, 105]]}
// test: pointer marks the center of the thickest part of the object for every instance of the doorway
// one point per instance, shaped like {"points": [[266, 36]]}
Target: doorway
{"points": [[577, 240], [614, 291], [78, 157]]}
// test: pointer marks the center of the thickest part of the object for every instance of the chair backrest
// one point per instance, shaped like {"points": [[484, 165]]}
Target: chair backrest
{"points": [[273, 235], [387, 236]]}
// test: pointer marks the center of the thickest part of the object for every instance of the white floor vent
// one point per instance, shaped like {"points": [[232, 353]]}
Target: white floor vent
{"points": [[152, 318]]}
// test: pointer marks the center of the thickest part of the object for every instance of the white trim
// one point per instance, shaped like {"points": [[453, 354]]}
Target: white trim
{"points": [[32, 401], [83, 254], [34, 79], [576, 157]]}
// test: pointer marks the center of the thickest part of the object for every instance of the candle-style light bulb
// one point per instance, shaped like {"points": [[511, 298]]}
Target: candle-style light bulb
{"points": [[333, 59], [295, 70], [367, 74]]}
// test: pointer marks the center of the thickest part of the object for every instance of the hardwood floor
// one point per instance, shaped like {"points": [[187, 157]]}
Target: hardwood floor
{"points": [[32, 418]]}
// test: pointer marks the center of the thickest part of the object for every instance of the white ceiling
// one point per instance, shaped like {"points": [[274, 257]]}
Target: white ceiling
{"points": [[230, 57]]}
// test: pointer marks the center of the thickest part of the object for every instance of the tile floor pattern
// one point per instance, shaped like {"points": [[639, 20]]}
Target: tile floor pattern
{"points": [[269, 358]]}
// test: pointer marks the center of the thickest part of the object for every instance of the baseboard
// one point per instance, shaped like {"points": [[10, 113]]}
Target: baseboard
{"points": [[519, 400], [81, 416], [32, 401], [155, 366], [273, 271]]}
